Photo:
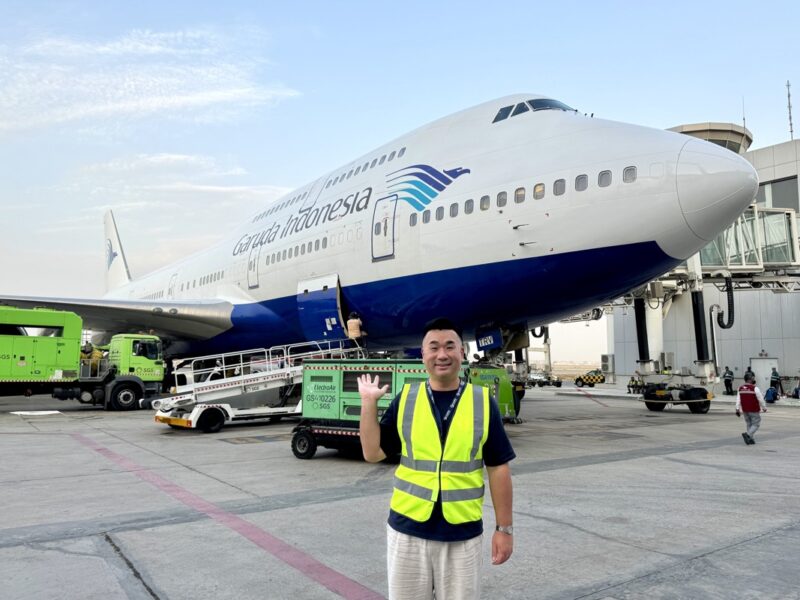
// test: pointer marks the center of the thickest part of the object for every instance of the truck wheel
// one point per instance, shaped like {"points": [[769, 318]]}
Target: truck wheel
{"points": [[211, 421], [303, 444], [579, 382], [557, 384], [699, 408], [125, 397], [655, 406]]}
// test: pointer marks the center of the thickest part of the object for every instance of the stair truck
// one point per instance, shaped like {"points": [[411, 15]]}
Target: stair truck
{"points": [[331, 405], [40, 353]]}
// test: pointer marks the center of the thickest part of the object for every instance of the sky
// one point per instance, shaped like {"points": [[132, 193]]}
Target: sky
{"points": [[186, 117]]}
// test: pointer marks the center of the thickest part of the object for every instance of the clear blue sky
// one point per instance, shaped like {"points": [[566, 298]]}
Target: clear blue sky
{"points": [[184, 117]]}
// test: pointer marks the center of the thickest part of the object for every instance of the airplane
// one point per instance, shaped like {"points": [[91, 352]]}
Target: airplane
{"points": [[503, 217]]}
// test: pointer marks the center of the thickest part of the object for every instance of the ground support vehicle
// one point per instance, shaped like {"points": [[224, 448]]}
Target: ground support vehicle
{"points": [[678, 388], [40, 352], [542, 379], [590, 378], [332, 406], [261, 384]]}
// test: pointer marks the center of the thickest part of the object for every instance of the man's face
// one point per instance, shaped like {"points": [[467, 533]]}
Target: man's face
{"points": [[442, 353]]}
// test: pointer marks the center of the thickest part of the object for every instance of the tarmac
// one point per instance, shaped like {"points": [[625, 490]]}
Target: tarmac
{"points": [[611, 501]]}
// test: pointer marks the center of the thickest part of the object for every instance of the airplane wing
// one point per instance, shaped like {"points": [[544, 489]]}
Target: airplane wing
{"points": [[199, 319]]}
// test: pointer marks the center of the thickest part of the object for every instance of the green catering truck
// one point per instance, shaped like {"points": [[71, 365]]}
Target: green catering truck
{"points": [[331, 404], [40, 352]]}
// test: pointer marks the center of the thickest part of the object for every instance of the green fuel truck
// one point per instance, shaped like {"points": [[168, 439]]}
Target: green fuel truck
{"points": [[40, 353]]}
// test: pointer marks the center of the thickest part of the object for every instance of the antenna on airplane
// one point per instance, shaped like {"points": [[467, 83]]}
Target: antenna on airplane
{"points": [[789, 99]]}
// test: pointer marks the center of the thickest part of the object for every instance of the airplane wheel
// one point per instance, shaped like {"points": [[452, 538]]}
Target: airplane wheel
{"points": [[303, 444], [655, 406], [211, 421], [125, 397]]}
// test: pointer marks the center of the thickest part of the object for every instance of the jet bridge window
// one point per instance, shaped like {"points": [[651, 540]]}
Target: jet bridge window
{"points": [[469, 206], [604, 178], [502, 114], [629, 175], [581, 183], [502, 199], [485, 202], [519, 195], [538, 191], [559, 187]]}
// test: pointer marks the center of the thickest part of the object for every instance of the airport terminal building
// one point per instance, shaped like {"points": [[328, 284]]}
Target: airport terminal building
{"points": [[759, 252]]}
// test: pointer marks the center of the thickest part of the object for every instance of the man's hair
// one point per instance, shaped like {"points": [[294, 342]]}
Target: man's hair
{"points": [[441, 324], [749, 378]]}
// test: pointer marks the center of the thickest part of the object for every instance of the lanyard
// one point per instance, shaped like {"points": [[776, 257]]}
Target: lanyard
{"points": [[462, 383]]}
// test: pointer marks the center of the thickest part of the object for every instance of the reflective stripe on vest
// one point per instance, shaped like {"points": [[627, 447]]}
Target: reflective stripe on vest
{"points": [[427, 470]]}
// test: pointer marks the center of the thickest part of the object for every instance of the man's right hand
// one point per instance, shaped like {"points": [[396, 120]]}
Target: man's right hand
{"points": [[369, 390]]}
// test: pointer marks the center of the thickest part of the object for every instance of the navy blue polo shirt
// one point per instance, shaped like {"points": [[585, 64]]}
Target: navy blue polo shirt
{"points": [[497, 451]]}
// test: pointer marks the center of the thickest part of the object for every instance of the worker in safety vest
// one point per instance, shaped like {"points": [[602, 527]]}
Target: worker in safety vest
{"points": [[445, 430], [727, 377], [750, 402]]}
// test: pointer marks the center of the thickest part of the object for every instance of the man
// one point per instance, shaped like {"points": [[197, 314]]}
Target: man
{"points": [[750, 402], [445, 430], [354, 328], [775, 382], [727, 377]]}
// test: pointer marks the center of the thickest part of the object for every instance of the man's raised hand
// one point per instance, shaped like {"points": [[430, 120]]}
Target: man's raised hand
{"points": [[369, 390]]}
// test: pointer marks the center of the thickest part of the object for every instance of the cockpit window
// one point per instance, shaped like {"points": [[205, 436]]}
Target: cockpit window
{"points": [[502, 113], [519, 109], [548, 104]]}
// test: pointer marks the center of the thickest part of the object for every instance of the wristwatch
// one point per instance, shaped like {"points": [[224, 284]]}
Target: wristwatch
{"points": [[507, 529]]}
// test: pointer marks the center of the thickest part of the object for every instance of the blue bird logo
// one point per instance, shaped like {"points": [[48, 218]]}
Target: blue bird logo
{"points": [[419, 185], [110, 254]]}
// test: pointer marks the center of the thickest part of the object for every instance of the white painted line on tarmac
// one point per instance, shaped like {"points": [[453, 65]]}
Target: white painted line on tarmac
{"points": [[35, 413]]}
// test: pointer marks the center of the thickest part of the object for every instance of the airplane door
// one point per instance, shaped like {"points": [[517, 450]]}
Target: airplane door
{"points": [[171, 286], [383, 228], [318, 306], [252, 267]]}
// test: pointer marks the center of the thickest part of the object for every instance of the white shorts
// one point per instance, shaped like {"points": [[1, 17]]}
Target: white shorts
{"points": [[417, 567]]}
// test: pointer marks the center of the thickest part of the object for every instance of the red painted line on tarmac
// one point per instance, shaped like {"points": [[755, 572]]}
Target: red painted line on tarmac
{"points": [[590, 397], [305, 563]]}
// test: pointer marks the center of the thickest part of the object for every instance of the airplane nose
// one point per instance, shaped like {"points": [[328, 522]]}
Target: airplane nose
{"points": [[714, 186]]}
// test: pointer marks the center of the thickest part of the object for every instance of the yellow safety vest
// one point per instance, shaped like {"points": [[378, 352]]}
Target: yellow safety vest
{"points": [[426, 470]]}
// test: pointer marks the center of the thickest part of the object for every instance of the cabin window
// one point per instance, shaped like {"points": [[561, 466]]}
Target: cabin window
{"points": [[485, 201], [291, 252], [519, 195], [391, 155], [316, 245], [604, 178], [538, 191], [629, 175], [302, 249], [366, 166], [469, 206], [440, 213], [335, 179], [283, 256], [454, 209], [426, 216], [559, 187], [581, 183], [297, 251], [350, 174], [382, 160], [324, 243], [502, 114], [377, 228], [412, 219], [358, 169], [374, 162], [502, 199], [402, 151]]}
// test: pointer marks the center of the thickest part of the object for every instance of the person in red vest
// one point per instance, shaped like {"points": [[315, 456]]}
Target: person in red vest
{"points": [[750, 401]]}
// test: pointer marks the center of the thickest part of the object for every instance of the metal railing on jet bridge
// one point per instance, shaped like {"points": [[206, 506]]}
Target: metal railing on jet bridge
{"points": [[219, 377]]}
